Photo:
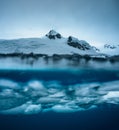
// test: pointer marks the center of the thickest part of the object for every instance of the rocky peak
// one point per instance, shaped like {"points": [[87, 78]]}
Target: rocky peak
{"points": [[80, 44], [111, 46], [53, 35]]}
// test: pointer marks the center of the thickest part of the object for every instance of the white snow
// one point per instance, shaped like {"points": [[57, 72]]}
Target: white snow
{"points": [[83, 42], [48, 46], [42, 46], [74, 39]]}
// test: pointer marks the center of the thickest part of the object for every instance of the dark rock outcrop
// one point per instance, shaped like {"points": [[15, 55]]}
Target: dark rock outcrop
{"points": [[53, 35], [82, 45], [110, 46]]}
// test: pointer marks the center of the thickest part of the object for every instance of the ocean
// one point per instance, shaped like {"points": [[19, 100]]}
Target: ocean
{"points": [[59, 99]]}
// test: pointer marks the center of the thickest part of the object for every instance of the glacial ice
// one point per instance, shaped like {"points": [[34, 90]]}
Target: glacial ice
{"points": [[35, 96]]}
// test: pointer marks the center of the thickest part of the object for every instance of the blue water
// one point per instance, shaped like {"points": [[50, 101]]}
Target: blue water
{"points": [[97, 119], [70, 76], [82, 99]]}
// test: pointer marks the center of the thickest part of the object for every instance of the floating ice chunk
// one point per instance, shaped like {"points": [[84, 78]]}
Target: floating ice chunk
{"points": [[58, 94], [16, 110], [7, 92], [36, 85], [8, 83], [63, 108], [110, 86], [33, 109], [34, 96], [48, 100], [27, 108], [112, 94]]}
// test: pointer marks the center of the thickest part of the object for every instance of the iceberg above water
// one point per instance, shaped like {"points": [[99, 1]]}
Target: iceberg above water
{"points": [[52, 43]]}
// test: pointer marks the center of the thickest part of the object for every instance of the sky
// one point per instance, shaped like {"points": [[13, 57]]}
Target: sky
{"points": [[96, 21]]}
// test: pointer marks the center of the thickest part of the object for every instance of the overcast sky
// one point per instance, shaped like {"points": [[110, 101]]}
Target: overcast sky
{"points": [[96, 21]]}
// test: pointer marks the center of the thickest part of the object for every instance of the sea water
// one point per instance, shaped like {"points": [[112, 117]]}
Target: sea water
{"points": [[59, 99]]}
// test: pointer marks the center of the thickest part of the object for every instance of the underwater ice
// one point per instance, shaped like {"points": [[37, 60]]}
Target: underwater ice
{"points": [[38, 96]]}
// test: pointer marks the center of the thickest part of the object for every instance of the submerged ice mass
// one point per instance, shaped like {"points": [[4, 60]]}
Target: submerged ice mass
{"points": [[31, 96]]}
